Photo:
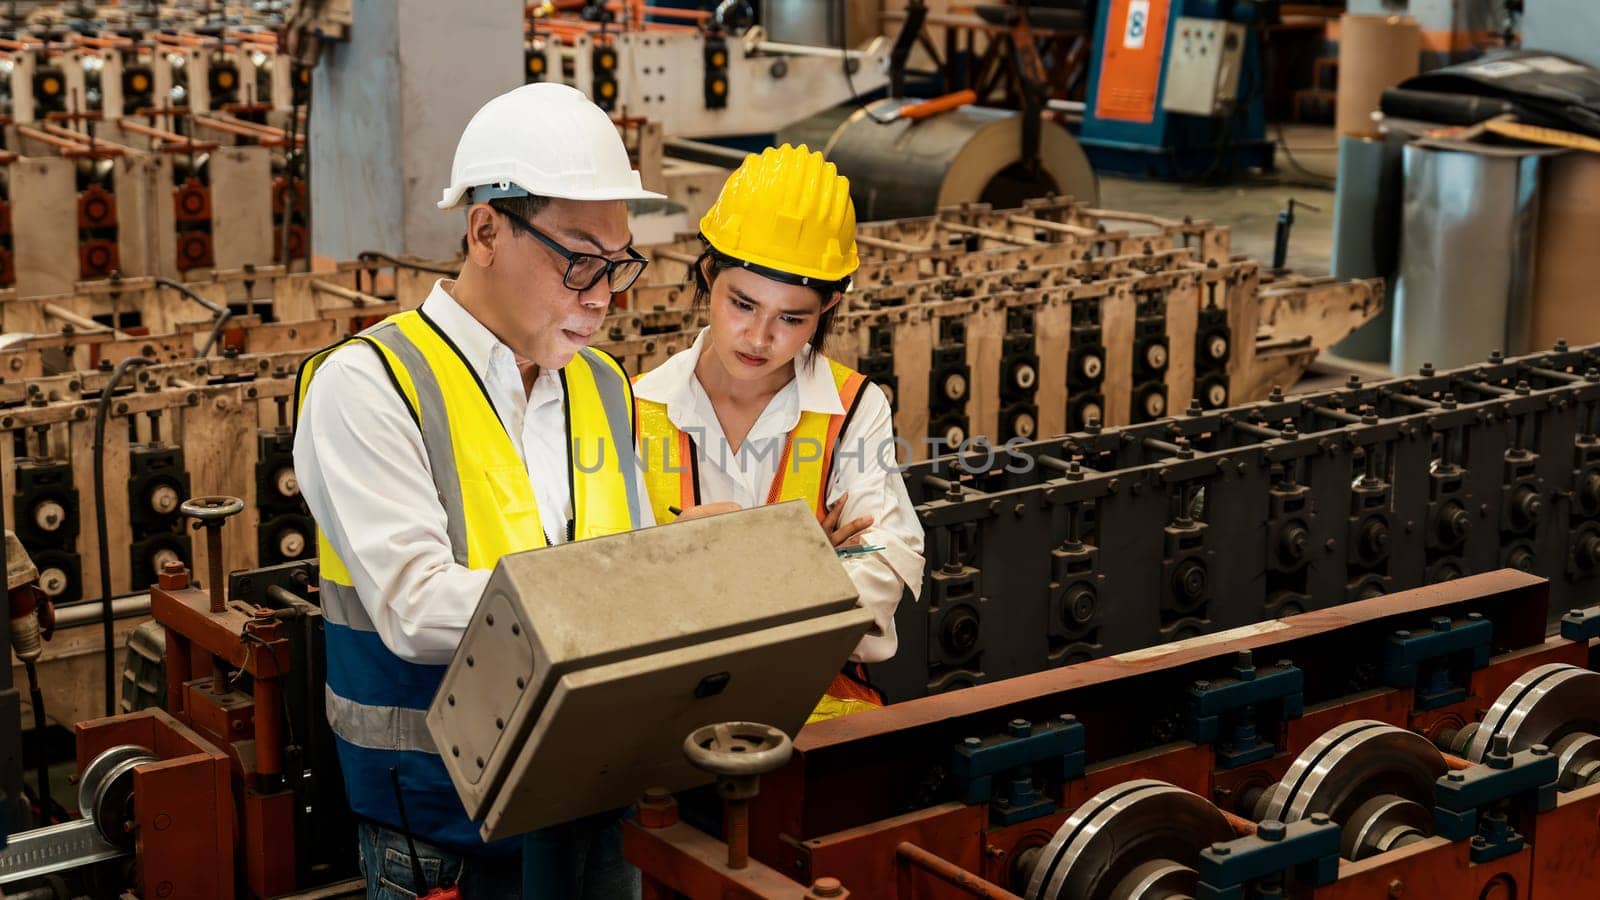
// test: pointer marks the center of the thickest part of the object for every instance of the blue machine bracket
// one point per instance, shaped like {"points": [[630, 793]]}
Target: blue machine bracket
{"points": [[1225, 713], [1308, 848], [1581, 625], [1051, 749], [1527, 778], [1437, 664]]}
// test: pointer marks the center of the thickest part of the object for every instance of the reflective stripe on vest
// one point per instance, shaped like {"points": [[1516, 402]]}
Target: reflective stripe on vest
{"points": [[803, 473], [671, 465], [376, 702]]}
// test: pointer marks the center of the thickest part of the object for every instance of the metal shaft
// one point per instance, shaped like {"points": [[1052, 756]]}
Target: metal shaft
{"points": [[214, 565], [736, 831]]}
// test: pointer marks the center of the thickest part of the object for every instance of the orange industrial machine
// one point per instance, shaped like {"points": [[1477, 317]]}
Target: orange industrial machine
{"points": [[1434, 743], [231, 790]]}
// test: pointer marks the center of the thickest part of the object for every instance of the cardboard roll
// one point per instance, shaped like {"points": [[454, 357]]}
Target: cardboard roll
{"points": [[97, 258], [968, 155], [97, 208], [194, 250], [281, 189], [192, 201]]}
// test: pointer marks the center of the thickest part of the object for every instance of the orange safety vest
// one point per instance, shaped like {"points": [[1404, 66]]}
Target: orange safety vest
{"points": [[672, 472], [672, 475]]}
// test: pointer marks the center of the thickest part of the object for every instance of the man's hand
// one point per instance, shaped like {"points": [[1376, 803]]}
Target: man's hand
{"points": [[847, 534], [707, 509]]}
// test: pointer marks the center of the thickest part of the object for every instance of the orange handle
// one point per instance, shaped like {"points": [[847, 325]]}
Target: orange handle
{"points": [[938, 105]]}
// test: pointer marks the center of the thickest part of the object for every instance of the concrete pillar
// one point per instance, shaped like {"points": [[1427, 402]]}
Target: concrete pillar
{"points": [[386, 110], [1569, 27]]}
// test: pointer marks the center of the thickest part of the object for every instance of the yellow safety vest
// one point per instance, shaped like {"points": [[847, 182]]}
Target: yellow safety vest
{"points": [[376, 703], [671, 466]]}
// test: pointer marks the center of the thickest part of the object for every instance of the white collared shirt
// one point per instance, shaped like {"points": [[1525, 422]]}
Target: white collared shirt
{"points": [[364, 473], [862, 468]]}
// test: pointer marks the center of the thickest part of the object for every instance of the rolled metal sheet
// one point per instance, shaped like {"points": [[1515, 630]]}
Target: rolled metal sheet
{"points": [[1466, 254], [973, 154], [1366, 233]]}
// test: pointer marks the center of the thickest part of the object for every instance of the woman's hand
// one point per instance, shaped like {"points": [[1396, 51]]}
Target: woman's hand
{"points": [[847, 534], [707, 509]]}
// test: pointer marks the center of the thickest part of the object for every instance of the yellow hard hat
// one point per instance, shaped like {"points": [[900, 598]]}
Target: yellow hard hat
{"points": [[787, 212]]}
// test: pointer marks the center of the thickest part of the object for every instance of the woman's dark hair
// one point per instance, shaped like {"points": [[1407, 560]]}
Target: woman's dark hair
{"points": [[711, 264]]}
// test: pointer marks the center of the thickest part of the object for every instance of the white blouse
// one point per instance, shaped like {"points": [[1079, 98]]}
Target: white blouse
{"points": [[864, 467]]}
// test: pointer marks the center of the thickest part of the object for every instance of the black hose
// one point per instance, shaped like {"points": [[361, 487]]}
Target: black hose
{"points": [[101, 410], [215, 335], [402, 264], [305, 167], [291, 168], [36, 698], [222, 313], [189, 292]]}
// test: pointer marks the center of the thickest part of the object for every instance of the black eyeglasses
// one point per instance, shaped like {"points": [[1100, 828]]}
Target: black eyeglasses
{"points": [[584, 270]]}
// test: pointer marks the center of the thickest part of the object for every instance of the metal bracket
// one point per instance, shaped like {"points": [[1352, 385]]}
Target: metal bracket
{"points": [[56, 848], [1436, 664], [1309, 848], [1052, 749], [1581, 625], [1528, 777], [1225, 713]]}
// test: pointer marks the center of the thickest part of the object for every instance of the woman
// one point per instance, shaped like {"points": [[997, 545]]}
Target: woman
{"points": [[754, 413]]}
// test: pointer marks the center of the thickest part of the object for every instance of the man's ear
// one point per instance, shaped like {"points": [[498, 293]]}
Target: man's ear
{"points": [[483, 229]]}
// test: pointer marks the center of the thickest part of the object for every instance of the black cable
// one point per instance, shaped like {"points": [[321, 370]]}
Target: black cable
{"points": [[402, 264], [292, 167], [101, 410], [222, 313], [36, 699], [1328, 180], [216, 333], [305, 166], [849, 79]]}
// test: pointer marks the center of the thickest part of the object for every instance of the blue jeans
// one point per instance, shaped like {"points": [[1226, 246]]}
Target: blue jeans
{"points": [[581, 859], [386, 864], [578, 860]]}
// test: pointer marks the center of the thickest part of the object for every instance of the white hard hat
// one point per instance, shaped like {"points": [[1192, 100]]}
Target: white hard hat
{"points": [[544, 139]]}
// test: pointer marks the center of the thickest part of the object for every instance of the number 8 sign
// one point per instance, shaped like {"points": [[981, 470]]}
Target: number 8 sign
{"points": [[1137, 25]]}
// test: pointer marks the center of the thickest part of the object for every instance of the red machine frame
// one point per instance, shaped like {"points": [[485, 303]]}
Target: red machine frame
{"points": [[829, 813]]}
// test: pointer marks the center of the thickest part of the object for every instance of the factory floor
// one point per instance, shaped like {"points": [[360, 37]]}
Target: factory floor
{"points": [[1249, 206]]}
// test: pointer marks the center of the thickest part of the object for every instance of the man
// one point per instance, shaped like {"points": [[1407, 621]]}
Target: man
{"points": [[438, 441]]}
